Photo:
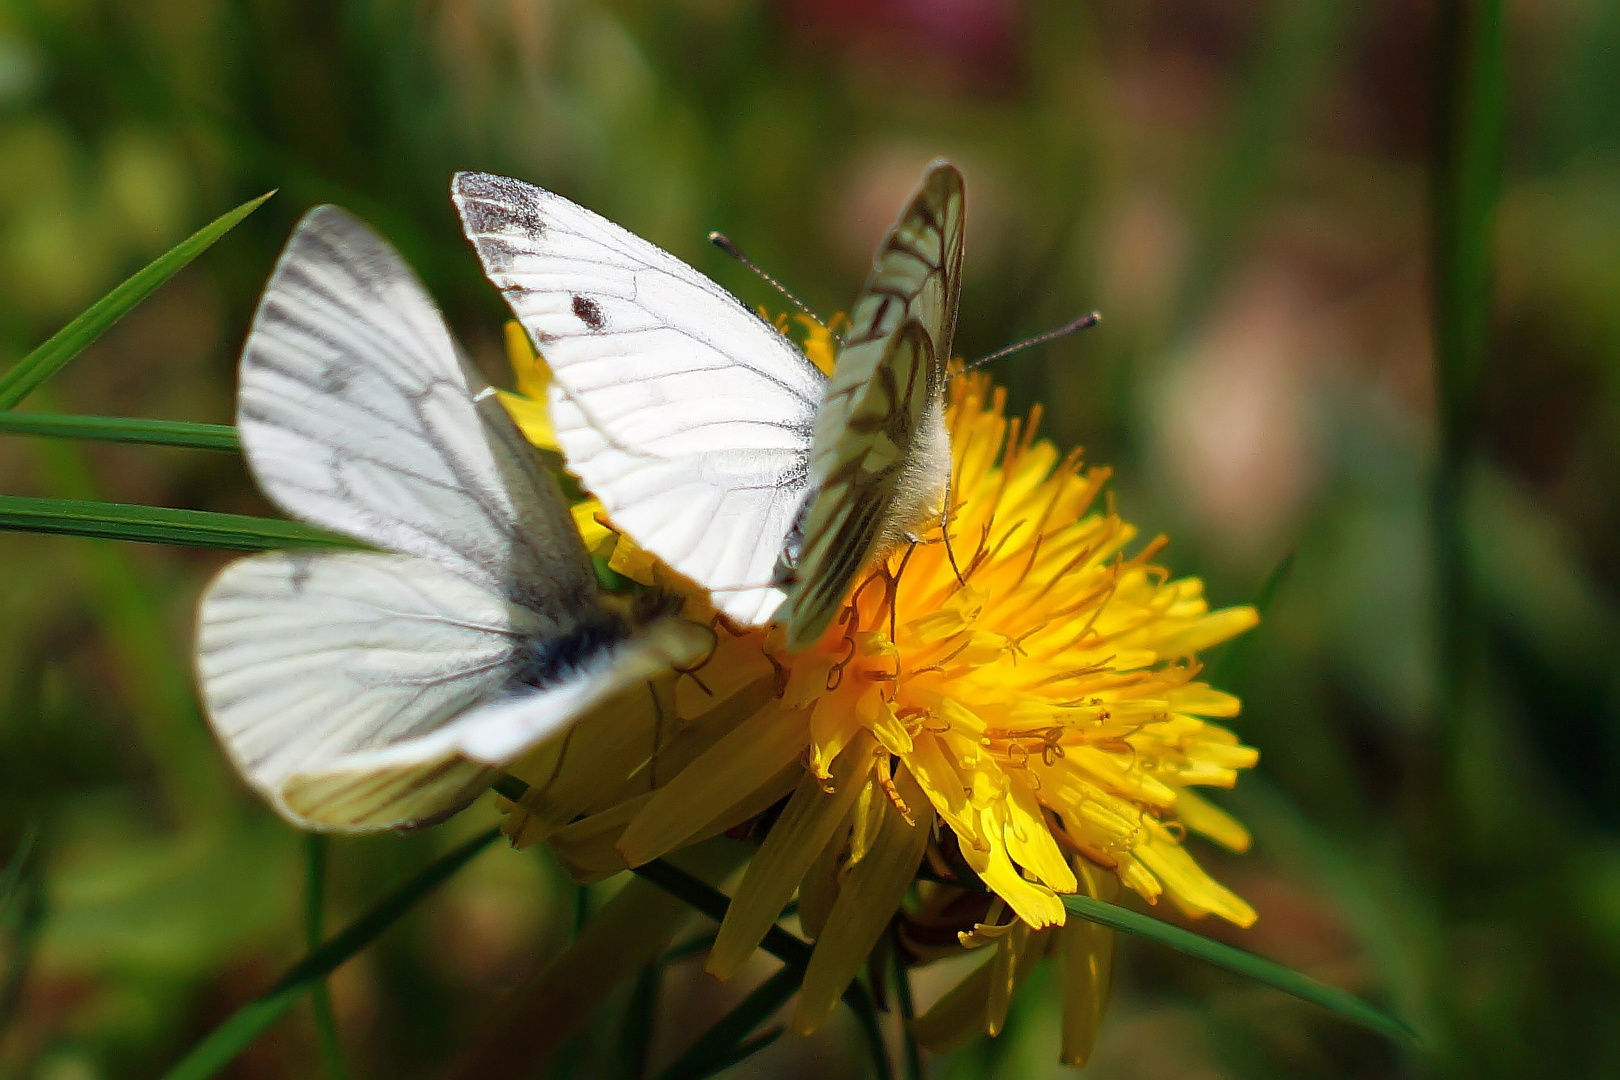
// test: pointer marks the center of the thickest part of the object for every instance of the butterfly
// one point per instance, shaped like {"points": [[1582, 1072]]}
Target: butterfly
{"points": [[361, 690], [708, 436]]}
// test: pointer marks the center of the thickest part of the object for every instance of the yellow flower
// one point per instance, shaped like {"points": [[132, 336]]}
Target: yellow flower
{"points": [[1011, 701]]}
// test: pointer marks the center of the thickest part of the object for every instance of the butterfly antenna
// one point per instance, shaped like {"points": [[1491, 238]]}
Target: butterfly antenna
{"points": [[724, 243], [1084, 322]]}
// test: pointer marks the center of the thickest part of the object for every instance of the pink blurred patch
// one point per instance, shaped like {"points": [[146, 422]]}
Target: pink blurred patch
{"points": [[970, 44]]}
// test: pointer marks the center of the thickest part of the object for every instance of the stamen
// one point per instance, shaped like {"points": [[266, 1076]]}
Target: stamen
{"points": [[885, 779]]}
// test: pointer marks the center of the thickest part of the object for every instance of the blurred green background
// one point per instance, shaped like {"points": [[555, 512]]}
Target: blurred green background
{"points": [[1241, 186]]}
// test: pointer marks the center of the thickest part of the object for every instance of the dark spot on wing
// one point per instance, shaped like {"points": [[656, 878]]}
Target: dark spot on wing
{"points": [[300, 572], [589, 312], [333, 379]]}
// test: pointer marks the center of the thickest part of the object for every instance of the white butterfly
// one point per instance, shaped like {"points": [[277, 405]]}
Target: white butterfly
{"points": [[708, 437], [366, 690]]}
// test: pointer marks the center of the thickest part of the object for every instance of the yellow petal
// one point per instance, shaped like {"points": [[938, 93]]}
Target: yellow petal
{"points": [[531, 374], [1030, 842], [943, 785], [780, 864], [831, 729], [587, 848], [963, 1010], [1004, 976], [867, 900], [889, 728], [1087, 952], [819, 890], [1193, 890], [1205, 818], [723, 775], [1211, 630], [532, 418], [591, 530], [1035, 904], [820, 347], [632, 562], [1198, 699]]}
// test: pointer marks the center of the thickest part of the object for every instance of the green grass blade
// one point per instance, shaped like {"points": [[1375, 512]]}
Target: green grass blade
{"points": [[160, 525], [1341, 1003], [1294, 55], [859, 1000], [749, 1047], [22, 902], [1466, 185], [1232, 658], [326, 1029], [717, 1048], [180, 433], [908, 1011], [249, 1022], [640, 1021], [68, 342], [701, 896], [11, 877]]}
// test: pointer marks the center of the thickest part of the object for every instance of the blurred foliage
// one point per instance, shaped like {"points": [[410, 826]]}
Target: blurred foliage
{"points": [[1240, 186]]}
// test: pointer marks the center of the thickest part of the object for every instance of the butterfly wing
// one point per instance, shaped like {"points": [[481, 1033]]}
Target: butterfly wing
{"points": [[306, 658], [361, 691], [685, 413], [357, 413], [880, 456]]}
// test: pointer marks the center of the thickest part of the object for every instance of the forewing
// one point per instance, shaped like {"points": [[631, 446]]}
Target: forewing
{"points": [[357, 413], [681, 410], [872, 463], [869, 471], [305, 660]]}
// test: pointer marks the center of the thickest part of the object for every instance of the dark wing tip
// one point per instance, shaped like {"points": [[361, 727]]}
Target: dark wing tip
{"points": [[491, 205]]}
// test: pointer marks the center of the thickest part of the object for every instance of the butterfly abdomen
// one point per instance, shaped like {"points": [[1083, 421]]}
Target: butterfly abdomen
{"points": [[542, 662]]}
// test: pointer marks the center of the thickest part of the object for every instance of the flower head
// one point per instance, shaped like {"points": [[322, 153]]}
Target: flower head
{"points": [[1012, 700]]}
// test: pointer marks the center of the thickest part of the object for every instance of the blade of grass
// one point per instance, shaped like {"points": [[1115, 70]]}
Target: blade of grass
{"points": [[747, 1049], [230, 1038], [45, 361], [1470, 122], [640, 1018], [859, 999], [1231, 659], [326, 1029], [778, 942], [11, 877], [1339, 1002], [160, 525], [704, 898], [686, 949], [1296, 47], [908, 1011], [181, 433], [718, 1047], [153, 676], [30, 918]]}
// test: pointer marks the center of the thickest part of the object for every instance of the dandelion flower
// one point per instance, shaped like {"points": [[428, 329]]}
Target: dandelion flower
{"points": [[1012, 700]]}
